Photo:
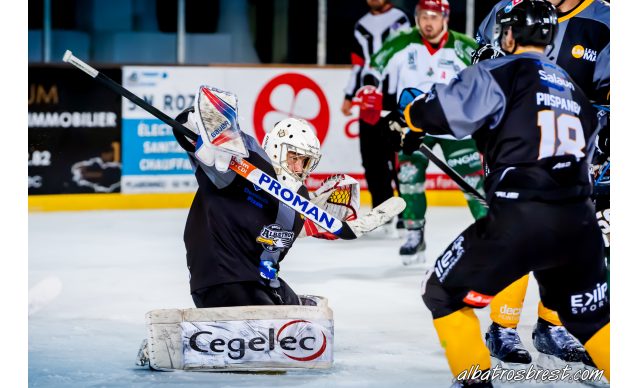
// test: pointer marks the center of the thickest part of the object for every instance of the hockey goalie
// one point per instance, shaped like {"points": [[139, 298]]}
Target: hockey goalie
{"points": [[236, 236]]}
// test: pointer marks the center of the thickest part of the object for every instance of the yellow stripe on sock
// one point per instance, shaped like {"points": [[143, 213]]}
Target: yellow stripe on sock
{"points": [[598, 347], [548, 315], [506, 306]]}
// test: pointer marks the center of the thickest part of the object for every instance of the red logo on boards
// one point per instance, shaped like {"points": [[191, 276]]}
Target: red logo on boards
{"points": [[291, 95], [295, 330]]}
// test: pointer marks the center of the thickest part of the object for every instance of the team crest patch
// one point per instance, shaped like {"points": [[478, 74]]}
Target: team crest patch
{"points": [[274, 237], [411, 60]]}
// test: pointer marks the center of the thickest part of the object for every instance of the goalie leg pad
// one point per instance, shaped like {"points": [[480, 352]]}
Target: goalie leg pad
{"points": [[248, 338]]}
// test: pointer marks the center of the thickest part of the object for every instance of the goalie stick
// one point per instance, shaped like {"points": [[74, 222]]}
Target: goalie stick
{"points": [[464, 185], [347, 230]]}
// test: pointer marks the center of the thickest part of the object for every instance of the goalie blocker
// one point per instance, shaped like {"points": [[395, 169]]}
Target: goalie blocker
{"points": [[248, 338]]}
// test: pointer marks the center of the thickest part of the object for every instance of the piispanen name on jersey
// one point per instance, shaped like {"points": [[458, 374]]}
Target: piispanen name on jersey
{"points": [[547, 99], [298, 203]]}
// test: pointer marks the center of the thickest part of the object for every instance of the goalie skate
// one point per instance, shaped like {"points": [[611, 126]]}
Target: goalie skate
{"points": [[413, 251], [143, 353]]}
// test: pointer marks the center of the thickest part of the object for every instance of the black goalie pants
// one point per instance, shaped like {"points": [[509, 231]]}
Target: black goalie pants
{"points": [[244, 294], [560, 243]]}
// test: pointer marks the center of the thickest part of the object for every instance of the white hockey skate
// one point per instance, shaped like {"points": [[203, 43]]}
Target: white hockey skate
{"points": [[143, 353], [413, 251]]}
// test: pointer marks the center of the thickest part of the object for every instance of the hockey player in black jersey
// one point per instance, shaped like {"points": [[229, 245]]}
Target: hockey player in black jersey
{"points": [[537, 130], [581, 47], [236, 235]]}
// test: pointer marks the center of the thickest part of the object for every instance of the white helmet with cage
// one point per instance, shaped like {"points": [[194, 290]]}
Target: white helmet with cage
{"points": [[294, 150]]}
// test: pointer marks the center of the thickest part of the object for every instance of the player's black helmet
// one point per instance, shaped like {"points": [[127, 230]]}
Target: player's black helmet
{"points": [[487, 51], [533, 22]]}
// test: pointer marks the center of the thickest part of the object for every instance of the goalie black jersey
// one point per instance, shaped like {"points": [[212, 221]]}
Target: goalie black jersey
{"points": [[232, 226], [534, 125], [581, 46]]}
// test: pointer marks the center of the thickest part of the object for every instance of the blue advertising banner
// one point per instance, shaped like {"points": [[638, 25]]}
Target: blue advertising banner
{"points": [[152, 159]]}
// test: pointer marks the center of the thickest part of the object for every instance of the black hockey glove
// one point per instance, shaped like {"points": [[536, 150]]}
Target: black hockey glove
{"points": [[395, 120], [488, 51], [394, 139], [412, 141], [396, 117]]}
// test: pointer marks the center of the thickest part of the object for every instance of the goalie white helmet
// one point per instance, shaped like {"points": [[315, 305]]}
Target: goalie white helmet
{"points": [[294, 150]]}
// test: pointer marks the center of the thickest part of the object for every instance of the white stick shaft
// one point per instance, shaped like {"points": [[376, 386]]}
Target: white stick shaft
{"points": [[70, 58]]}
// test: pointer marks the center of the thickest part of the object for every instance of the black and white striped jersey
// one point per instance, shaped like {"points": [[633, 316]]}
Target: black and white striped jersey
{"points": [[368, 35], [534, 125], [581, 46]]}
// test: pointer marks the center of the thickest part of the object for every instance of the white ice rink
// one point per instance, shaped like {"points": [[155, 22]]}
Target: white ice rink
{"points": [[94, 275]]}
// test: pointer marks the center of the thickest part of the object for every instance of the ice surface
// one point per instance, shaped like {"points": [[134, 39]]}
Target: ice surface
{"points": [[94, 275]]}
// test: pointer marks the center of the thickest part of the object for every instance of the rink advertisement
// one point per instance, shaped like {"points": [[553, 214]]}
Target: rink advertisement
{"points": [[272, 343], [154, 162], [74, 133], [152, 159]]}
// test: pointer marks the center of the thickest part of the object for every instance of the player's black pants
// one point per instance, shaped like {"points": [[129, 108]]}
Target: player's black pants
{"points": [[378, 160], [244, 294], [561, 244]]}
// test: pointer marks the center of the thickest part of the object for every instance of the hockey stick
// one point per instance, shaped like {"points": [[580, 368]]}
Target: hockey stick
{"points": [[348, 230], [464, 186]]}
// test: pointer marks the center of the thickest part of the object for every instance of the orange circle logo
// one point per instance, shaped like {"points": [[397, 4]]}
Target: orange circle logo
{"points": [[577, 51]]}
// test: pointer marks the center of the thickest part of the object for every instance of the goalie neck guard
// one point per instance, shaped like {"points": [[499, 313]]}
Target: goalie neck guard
{"points": [[292, 138]]}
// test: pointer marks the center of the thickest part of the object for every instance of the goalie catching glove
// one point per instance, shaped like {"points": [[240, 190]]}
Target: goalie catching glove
{"points": [[338, 195]]}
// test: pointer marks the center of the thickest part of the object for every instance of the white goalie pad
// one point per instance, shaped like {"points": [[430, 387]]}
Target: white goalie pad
{"points": [[248, 338]]}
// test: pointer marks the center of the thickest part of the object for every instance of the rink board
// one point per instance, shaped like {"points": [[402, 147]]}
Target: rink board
{"points": [[80, 202]]}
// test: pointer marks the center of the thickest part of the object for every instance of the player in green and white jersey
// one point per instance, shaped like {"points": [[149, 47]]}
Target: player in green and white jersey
{"points": [[430, 53]]}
